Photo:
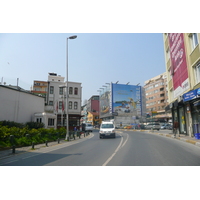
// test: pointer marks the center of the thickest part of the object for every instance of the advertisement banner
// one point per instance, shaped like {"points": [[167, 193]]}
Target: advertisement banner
{"points": [[127, 100], [179, 70], [105, 103]]}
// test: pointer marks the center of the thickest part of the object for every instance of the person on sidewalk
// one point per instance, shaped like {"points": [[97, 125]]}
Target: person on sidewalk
{"points": [[176, 126]]}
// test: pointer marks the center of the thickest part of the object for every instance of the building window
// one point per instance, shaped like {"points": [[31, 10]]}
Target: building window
{"points": [[50, 122], [51, 103], [70, 105], [60, 105], [76, 91], [162, 95], [75, 105], [51, 89], [156, 85], [197, 72], [61, 90], [39, 120], [161, 89], [155, 91], [194, 40], [70, 90]]}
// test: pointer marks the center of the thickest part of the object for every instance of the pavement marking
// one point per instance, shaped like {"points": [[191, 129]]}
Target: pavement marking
{"points": [[126, 140], [116, 150]]}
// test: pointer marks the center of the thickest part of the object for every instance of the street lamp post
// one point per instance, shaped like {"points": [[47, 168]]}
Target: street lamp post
{"points": [[67, 115]]}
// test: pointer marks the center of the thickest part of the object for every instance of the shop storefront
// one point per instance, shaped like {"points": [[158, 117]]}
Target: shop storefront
{"points": [[192, 105], [178, 114]]}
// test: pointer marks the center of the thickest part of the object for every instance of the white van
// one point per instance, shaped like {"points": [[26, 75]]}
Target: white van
{"points": [[107, 129]]}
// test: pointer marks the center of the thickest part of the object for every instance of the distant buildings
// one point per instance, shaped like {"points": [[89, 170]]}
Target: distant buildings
{"points": [[124, 104], [93, 111]]}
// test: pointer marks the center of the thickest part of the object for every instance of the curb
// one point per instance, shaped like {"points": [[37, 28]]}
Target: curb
{"points": [[167, 135], [27, 149], [178, 138]]}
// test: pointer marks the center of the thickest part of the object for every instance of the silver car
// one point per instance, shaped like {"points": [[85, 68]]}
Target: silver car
{"points": [[153, 125]]}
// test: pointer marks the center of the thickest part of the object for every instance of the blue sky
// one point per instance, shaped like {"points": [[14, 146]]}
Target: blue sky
{"points": [[94, 58]]}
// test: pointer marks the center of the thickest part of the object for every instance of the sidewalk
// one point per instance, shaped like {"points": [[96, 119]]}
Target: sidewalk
{"points": [[169, 133], [9, 152]]}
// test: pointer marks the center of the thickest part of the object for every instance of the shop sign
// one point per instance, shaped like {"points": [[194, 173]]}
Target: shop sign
{"points": [[190, 95], [198, 92]]}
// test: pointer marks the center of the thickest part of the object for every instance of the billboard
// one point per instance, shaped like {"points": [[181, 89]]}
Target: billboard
{"points": [[105, 103], [126, 100], [179, 70]]}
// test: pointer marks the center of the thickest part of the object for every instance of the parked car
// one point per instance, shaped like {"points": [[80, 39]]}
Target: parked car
{"points": [[87, 127], [153, 125], [169, 127], [165, 126]]}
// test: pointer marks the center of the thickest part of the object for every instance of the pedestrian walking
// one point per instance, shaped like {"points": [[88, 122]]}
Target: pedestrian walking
{"points": [[176, 126]]}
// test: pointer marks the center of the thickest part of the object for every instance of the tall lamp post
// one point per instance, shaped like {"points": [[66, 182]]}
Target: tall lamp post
{"points": [[67, 115]]}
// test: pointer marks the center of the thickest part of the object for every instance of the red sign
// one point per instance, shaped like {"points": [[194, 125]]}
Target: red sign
{"points": [[178, 63]]}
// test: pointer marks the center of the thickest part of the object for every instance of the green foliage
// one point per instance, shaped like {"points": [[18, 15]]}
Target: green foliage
{"points": [[35, 125], [25, 136], [10, 124]]}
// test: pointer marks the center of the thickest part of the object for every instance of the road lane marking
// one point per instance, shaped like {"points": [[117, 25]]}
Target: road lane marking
{"points": [[126, 140], [116, 150]]}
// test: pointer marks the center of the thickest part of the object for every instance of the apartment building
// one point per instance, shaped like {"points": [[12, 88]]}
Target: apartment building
{"points": [[40, 88], [182, 60], [157, 98]]}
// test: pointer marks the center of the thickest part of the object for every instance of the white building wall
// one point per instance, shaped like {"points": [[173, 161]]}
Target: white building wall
{"points": [[19, 106], [56, 97]]}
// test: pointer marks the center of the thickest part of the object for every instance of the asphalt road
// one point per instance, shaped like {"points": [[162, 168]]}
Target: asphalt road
{"points": [[127, 149]]}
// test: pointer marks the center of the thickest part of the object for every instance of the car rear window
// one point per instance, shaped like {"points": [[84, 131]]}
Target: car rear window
{"points": [[107, 126], [88, 125]]}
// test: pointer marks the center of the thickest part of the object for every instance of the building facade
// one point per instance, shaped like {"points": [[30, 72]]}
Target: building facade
{"points": [[56, 101], [157, 98], [40, 88], [182, 60], [19, 105], [93, 111]]}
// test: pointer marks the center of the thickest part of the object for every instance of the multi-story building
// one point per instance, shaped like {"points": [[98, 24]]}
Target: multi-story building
{"points": [[40, 88], [93, 110], [56, 100], [84, 113], [157, 98], [182, 60]]}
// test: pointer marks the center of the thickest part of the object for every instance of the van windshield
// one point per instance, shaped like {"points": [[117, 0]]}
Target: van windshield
{"points": [[107, 126]]}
